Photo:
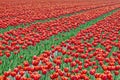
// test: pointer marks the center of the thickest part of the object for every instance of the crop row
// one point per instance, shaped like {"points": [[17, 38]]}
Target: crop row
{"points": [[23, 12], [92, 54], [2, 30], [13, 40]]}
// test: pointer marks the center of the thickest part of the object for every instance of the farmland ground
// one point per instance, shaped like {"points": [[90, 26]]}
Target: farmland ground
{"points": [[14, 60], [62, 41]]}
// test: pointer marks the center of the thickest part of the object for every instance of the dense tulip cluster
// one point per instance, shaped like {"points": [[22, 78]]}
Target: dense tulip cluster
{"points": [[14, 40], [13, 13], [94, 53]]}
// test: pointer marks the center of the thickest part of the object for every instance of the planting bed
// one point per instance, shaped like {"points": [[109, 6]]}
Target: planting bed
{"points": [[69, 40]]}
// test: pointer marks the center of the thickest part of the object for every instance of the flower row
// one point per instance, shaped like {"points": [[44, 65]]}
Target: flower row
{"points": [[14, 40], [22, 12]]}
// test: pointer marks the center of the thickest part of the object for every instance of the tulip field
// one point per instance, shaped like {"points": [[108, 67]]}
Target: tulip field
{"points": [[59, 39]]}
